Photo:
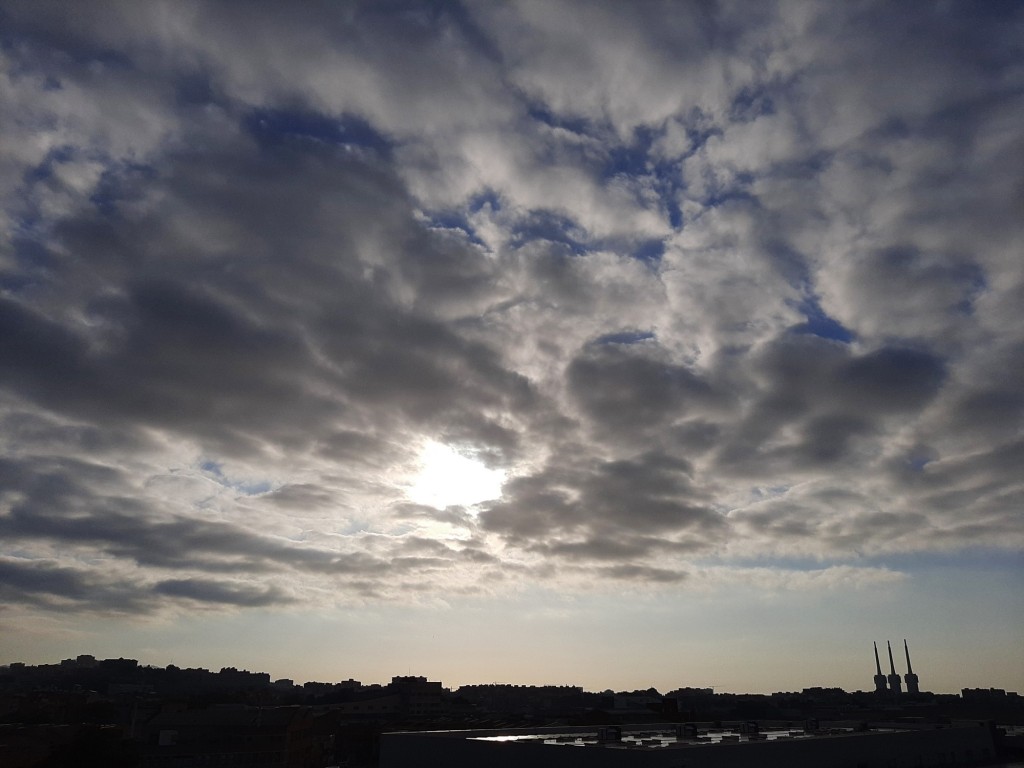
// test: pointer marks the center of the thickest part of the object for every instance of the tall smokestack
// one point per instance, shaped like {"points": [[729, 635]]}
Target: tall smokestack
{"points": [[895, 685], [879, 677], [910, 677]]}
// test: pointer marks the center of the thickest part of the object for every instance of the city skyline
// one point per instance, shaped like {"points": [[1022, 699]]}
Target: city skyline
{"points": [[621, 344], [666, 684], [89, 662]]}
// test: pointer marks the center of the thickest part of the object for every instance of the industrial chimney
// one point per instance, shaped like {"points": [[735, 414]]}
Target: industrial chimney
{"points": [[879, 677], [910, 677], [894, 680]]}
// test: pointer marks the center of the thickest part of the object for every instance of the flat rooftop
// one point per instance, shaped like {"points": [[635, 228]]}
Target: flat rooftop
{"points": [[660, 736], [697, 745]]}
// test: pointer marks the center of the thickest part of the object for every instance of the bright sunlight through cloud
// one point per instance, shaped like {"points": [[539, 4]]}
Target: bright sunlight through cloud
{"points": [[448, 478]]}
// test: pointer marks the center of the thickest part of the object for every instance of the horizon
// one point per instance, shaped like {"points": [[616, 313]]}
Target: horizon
{"points": [[662, 689], [453, 687], [620, 343]]}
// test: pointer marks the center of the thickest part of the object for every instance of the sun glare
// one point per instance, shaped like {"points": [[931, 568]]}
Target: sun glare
{"points": [[448, 478]]}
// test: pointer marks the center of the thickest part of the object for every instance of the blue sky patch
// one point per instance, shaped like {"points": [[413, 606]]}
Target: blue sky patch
{"points": [[818, 323], [636, 161], [44, 170], [212, 467], [251, 489], [779, 562], [650, 250], [454, 220], [630, 159], [625, 337], [542, 114], [487, 197], [975, 283], [118, 184], [974, 559], [216, 471], [272, 127], [918, 463], [750, 103], [738, 192], [549, 226]]}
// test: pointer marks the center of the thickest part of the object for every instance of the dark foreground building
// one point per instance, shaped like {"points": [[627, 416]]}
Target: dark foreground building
{"points": [[690, 746], [232, 737]]}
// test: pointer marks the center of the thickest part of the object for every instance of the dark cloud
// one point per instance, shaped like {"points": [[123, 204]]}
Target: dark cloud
{"points": [[271, 336], [642, 574], [174, 543], [818, 400], [34, 578], [890, 380], [616, 510], [828, 439], [624, 389], [54, 587], [63, 503], [205, 591]]}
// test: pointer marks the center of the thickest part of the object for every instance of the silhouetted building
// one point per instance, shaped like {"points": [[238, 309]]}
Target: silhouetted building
{"points": [[241, 679], [83, 661], [880, 686], [996, 696], [417, 695], [894, 680], [274, 737], [533, 699], [910, 678]]}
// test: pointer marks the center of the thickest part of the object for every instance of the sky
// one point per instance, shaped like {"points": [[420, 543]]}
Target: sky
{"points": [[593, 343]]}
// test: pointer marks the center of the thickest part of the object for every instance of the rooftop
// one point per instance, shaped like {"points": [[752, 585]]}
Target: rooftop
{"points": [[662, 736]]}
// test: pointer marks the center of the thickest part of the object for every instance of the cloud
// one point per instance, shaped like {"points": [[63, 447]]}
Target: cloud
{"points": [[49, 586], [703, 284], [205, 591], [622, 389], [788, 580]]}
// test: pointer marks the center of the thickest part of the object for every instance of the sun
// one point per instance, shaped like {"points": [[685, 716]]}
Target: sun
{"points": [[447, 478]]}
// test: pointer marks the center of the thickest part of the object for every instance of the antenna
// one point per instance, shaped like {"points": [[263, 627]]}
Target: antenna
{"points": [[910, 678], [880, 685], [895, 684]]}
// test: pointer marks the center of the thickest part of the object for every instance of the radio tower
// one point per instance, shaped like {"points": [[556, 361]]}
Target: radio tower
{"points": [[894, 680], [879, 677], [910, 677]]}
